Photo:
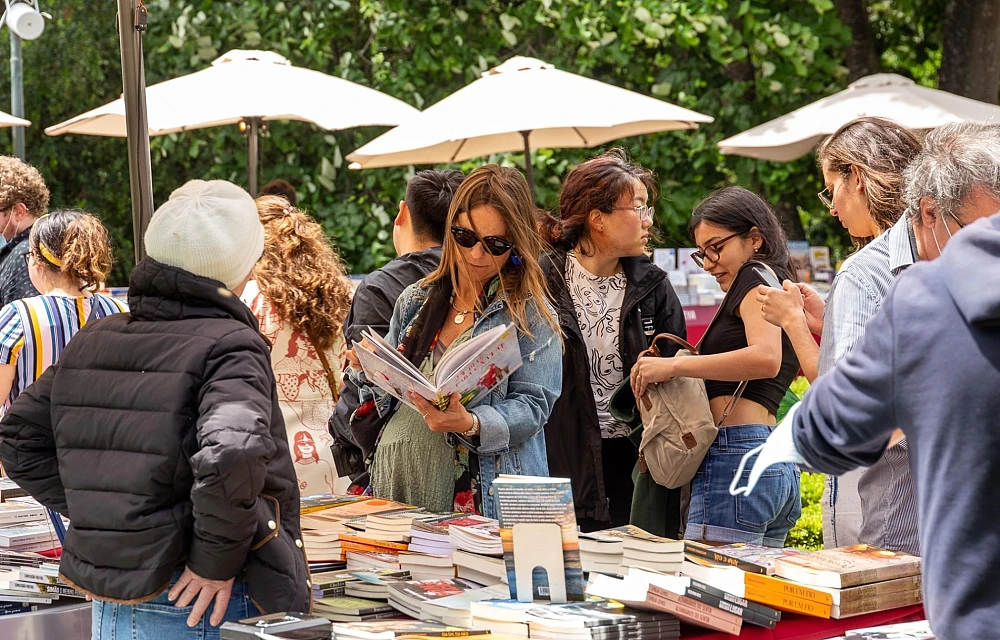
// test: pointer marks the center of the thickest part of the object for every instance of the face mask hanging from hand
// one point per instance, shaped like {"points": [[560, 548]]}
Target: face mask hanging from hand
{"points": [[779, 447]]}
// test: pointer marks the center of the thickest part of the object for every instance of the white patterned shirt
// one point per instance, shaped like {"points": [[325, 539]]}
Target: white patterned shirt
{"points": [[598, 303]]}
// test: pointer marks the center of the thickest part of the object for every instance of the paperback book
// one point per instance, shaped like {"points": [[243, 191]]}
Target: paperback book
{"points": [[752, 558], [471, 370], [848, 566]]}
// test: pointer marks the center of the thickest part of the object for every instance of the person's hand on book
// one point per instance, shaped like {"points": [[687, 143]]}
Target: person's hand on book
{"points": [[352, 358], [454, 419]]}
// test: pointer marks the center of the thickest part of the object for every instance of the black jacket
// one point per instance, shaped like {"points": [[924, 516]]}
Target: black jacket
{"points": [[373, 303], [15, 283], [158, 433], [573, 433]]}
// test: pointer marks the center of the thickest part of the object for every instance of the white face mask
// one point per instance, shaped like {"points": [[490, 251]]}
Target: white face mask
{"points": [[934, 233]]}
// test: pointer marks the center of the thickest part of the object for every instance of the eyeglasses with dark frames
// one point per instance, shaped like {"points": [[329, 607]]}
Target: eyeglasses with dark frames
{"points": [[713, 251], [468, 238]]}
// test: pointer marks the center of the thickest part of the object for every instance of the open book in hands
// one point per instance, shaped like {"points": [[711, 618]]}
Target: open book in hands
{"points": [[471, 369]]}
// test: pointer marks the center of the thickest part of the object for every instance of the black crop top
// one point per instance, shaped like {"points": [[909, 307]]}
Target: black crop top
{"points": [[727, 334]]}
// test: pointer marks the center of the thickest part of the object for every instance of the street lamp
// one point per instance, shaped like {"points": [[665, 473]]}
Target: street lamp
{"points": [[25, 21]]}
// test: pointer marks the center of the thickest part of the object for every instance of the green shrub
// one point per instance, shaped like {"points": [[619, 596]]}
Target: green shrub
{"points": [[808, 531]]}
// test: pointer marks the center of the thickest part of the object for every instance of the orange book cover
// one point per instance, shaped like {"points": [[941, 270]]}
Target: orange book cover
{"points": [[787, 603], [380, 545], [787, 588]]}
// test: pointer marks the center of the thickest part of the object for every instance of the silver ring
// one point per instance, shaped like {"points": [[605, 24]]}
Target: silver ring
{"points": [[424, 416]]}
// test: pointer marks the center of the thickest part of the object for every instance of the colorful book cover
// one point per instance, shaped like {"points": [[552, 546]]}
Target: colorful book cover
{"points": [[352, 606], [364, 508], [531, 500], [784, 587], [309, 504], [848, 566], [753, 558], [788, 603], [388, 629]]}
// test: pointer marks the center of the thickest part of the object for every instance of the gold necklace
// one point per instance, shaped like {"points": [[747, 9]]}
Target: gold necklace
{"points": [[460, 318]]}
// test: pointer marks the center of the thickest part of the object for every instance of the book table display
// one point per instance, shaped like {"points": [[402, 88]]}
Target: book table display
{"points": [[799, 627], [65, 621]]}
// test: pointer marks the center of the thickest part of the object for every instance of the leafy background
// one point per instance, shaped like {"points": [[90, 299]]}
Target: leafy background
{"points": [[742, 62]]}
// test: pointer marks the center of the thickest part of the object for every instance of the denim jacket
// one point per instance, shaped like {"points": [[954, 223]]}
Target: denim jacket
{"points": [[512, 417]]}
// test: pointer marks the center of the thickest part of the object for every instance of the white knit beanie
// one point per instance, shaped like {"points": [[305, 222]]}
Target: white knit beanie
{"points": [[209, 228]]}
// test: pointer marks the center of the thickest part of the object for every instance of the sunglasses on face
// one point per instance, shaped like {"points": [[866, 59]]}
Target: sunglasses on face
{"points": [[712, 252], [467, 238]]}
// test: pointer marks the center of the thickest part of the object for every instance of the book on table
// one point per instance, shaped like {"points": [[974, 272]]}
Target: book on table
{"points": [[847, 566], [471, 369], [752, 558], [387, 630], [409, 596], [539, 538]]}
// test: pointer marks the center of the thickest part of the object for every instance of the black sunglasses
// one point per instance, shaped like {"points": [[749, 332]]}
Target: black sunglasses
{"points": [[467, 238]]}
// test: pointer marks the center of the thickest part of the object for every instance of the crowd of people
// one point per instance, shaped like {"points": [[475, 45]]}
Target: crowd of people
{"points": [[178, 432]]}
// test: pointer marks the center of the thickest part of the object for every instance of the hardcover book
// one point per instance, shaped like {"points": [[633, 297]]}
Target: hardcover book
{"points": [[848, 566], [752, 558]]}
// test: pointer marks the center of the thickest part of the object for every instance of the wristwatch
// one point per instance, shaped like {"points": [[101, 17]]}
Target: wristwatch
{"points": [[474, 429]]}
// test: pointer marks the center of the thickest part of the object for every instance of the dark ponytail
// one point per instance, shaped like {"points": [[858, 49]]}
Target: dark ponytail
{"points": [[739, 210], [598, 183]]}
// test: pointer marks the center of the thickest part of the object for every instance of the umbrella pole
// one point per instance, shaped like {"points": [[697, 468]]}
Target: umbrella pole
{"points": [[131, 24], [16, 91], [253, 133], [528, 170]]}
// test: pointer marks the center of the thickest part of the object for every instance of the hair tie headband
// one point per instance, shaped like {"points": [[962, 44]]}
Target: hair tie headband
{"points": [[48, 255]]}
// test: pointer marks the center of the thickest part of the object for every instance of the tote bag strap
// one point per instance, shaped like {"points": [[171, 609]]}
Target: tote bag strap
{"points": [[330, 378]]}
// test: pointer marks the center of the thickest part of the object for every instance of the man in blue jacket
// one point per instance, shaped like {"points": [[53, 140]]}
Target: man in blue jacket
{"points": [[930, 363]]}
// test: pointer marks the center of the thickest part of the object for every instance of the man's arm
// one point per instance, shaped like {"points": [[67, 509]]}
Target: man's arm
{"points": [[846, 418], [28, 447]]}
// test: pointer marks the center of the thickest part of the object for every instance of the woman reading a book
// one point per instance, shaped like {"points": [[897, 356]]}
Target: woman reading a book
{"points": [[300, 296], [611, 301], [445, 458], [736, 231]]}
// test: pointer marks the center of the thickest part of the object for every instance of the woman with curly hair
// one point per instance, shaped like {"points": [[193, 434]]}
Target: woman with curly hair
{"points": [[68, 258], [300, 295]]}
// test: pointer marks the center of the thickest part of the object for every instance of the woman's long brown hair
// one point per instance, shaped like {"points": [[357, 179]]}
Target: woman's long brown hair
{"points": [[504, 190], [299, 273]]}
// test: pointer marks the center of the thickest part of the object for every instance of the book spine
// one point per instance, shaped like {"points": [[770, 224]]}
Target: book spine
{"points": [[364, 548], [709, 554], [784, 587], [743, 602], [859, 578], [328, 592], [722, 604], [696, 613], [878, 590], [788, 603], [871, 605]]}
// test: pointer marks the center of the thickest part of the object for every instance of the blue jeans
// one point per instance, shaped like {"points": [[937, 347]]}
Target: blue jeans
{"points": [[765, 516], [159, 619]]}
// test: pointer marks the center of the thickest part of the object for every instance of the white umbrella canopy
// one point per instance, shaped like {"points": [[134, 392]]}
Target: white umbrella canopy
{"points": [[247, 84], [7, 120], [247, 88], [520, 104], [884, 94]]}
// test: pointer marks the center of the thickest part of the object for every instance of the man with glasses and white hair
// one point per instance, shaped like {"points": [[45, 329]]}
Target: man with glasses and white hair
{"points": [[929, 362]]}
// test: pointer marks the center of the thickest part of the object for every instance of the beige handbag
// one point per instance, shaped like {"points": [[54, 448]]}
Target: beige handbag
{"points": [[678, 427]]}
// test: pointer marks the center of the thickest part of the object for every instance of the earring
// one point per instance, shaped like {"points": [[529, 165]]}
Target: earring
{"points": [[756, 249], [515, 260]]}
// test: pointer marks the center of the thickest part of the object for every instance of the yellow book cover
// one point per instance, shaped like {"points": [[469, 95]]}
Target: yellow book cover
{"points": [[786, 588]]}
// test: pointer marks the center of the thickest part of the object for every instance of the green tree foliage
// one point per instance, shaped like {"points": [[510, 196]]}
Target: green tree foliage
{"points": [[740, 61]]}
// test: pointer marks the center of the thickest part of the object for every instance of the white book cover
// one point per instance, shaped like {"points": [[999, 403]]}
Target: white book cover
{"points": [[471, 369]]}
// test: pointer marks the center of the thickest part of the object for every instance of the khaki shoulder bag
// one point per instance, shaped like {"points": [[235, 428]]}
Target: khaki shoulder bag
{"points": [[678, 427]]}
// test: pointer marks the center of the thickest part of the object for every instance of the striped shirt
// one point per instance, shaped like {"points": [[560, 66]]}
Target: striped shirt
{"points": [[34, 331], [888, 506]]}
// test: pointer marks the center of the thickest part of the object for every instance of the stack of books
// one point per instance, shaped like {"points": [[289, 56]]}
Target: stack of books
{"points": [[834, 583], [27, 581], [456, 610], [507, 617], [351, 609], [424, 566], [613, 551], [599, 620], [408, 597], [485, 569], [390, 629], [478, 554], [25, 526], [322, 525], [601, 553], [857, 579], [393, 526], [654, 592], [373, 585], [362, 560]]}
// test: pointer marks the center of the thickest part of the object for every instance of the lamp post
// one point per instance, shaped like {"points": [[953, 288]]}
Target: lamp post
{"points": [[23, 20]]}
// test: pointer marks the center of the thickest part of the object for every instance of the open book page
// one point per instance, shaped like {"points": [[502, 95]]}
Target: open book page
{"points": [[474, 368], [384, 350], [385, 374]]}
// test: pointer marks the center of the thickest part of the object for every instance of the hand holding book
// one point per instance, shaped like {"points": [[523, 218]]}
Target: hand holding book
{"points": [[455, 418]]}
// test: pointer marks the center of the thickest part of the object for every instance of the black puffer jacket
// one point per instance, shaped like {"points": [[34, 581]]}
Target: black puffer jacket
{"points": [[573, 433], [158, 433]]}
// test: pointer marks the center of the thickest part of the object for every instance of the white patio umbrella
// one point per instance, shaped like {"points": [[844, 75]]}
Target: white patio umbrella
{"points": [[7, 120], [522, 103], [883, 94], [247, 88]]}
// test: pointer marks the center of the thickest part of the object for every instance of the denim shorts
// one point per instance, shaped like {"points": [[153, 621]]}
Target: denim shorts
{"points": [[765, 516], [159, 619]]}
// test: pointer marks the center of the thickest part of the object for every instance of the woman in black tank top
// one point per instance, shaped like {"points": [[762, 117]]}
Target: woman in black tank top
{"points": [[735, 229]]}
